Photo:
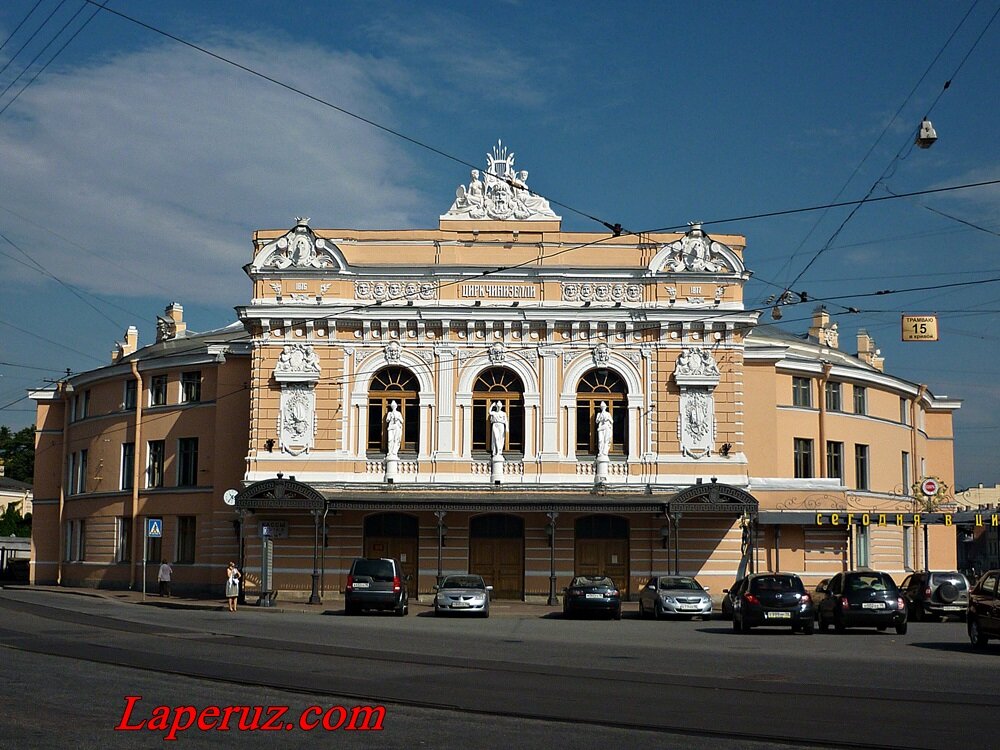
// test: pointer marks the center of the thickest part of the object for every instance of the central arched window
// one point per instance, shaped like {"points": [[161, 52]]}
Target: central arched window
{"points": [[597, 386], [503, 385], [400, 385]]}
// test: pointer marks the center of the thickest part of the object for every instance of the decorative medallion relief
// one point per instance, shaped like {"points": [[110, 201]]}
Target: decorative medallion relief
{"points": [[297, 418], [601, 292], [393, 351], [697, 422], [602, 355], [497, 354], [384, 291]]}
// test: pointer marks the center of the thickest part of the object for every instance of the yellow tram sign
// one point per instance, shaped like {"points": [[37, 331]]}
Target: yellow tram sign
{"points": [[920, 328]]}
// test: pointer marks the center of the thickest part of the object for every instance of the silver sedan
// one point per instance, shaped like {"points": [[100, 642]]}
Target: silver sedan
{"points": [[664, 596], [463, 594]]}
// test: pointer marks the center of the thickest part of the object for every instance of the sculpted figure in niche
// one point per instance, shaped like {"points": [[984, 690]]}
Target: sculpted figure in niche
{"points": [[498, 429], [394, 430], [604, 429]]}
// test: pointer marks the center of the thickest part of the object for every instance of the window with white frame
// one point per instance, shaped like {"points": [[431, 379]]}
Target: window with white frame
{"points": [[801, 392], [860, 399], [833, 396], [123, 539], [154, 463], [905, 466], [834, 460], [127, 479], [187, 462], [861, 466], [185, 539], [803, 458], [191, 387], [158, 390], [131, 393], [908, 548], [862, 546]]}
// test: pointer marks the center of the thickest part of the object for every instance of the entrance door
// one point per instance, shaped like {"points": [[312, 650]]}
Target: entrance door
{"points": [[496, 552], [394, 535], [602, 549]]}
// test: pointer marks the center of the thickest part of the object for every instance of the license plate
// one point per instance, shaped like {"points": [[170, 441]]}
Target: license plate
{"points": [[595, 596], [873, 605], [778, 615], [460, 605], [953, 609], [361, 585]]}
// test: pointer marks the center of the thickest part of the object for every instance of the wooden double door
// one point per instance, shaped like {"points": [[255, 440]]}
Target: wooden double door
{"points": [[398, 548], [602, 549], [496, 552]]}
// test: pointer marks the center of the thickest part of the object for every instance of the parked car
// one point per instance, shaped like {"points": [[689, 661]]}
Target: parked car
{"points": [[376, 583], [462, 594], [674, 595], [773, 599], [592, 594], [983, 618], [935, 594], [862, 598], [731, 595]]}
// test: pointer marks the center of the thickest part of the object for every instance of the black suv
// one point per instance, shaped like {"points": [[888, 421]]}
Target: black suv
{"points": [[866, 598], [984, 610], [376, 583], [936, 594], [773, 599]]}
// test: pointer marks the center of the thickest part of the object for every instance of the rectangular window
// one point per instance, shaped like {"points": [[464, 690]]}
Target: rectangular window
{"points": [[187, 462], [131, 389], [158, 390], [71, 474], [803, 458], [904, 411], [81, 472], [860, 399], [835, 460], [862, 545], [154, 464], [801, 392], [154, 548], [861, 466], [185, 539], [128, 466], [833, 402], [905, 466], [76, 541], [123, 539], [191, 387], [908, 548]]}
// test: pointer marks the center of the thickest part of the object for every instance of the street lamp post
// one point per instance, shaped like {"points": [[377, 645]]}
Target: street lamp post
{"points": [[441, 530], [314, 597], [551, 529]]}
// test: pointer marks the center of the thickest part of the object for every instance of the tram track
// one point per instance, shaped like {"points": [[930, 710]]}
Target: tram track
{"points": [[340, 671]]}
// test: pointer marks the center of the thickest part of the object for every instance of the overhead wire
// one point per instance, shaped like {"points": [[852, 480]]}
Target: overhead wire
{"points": [[18, 27]]}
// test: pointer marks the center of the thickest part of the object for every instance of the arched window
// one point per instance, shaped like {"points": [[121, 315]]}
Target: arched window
{"points": [[400, 385], [597, 386], [503, 385]]}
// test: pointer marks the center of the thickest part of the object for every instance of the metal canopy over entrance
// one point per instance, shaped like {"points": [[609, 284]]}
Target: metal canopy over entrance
{"points": [[713, 497], [284, 494]]}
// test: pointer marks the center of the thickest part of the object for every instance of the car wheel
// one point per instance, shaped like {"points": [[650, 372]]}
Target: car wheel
{"points": [[918, 613], [978, 639], [658, 612], [744, 626], [401, 610], [350, 609], [823, 624], [881, 628], [838, 624], [901, 628], [796, 628], [736, 626], [438, 612], [642, 611], [807, 628], [618, 613]]}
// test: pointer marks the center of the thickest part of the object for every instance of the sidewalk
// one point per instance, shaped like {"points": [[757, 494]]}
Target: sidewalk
{"points": [[330, 605]]}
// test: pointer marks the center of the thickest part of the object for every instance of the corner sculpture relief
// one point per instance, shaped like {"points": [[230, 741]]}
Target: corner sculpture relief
{"points": [[297, 371], [695, 251], [500, 192], [697, 374]]}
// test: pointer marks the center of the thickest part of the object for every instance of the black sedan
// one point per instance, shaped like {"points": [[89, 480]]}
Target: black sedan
{"points": [[862, 598], [773, 599], [592, 595]]}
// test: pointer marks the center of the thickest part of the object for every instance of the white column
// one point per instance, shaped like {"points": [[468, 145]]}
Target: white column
{"points": [[549, 360]]}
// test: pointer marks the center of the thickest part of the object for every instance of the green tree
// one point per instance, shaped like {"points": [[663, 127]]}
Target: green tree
{"points": [[13, 523], [17, 449]]}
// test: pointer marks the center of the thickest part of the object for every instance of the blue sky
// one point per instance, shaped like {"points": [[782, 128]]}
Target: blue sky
{"points": [[134, 169]]}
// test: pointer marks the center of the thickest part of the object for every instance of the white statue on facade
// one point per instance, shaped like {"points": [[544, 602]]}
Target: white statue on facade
{"points": [[604, 424], [498, 429], [393, 430]]}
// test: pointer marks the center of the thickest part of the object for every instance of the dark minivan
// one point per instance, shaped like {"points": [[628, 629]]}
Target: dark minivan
{"points": [[773, 599], [861, 598], [376, 583]]}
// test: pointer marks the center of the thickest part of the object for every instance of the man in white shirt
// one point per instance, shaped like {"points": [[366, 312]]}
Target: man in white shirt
{"points": [[164, 578]]}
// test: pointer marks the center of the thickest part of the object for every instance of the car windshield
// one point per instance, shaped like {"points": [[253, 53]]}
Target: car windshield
{"points": [[955, 579], [687, 584], [776, 583], [463, 582], [591, 581], [869, 582], [377, 569]]}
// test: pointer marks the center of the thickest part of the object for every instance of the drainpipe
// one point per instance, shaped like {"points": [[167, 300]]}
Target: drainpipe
{"points": [[67, 403], [136, 462], [911, 480]]}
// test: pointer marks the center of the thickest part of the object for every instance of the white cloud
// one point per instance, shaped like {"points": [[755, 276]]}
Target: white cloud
{"points": [[167, 160]]}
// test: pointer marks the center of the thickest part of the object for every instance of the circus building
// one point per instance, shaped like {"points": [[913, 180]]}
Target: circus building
{"points": [[494, 395]]}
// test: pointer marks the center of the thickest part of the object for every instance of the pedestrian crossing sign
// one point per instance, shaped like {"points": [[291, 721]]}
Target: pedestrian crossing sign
{"points": [[154, 528]]}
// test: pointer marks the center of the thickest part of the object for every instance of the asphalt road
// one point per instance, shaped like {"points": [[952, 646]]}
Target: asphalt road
{"points": [[68, 664]]}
